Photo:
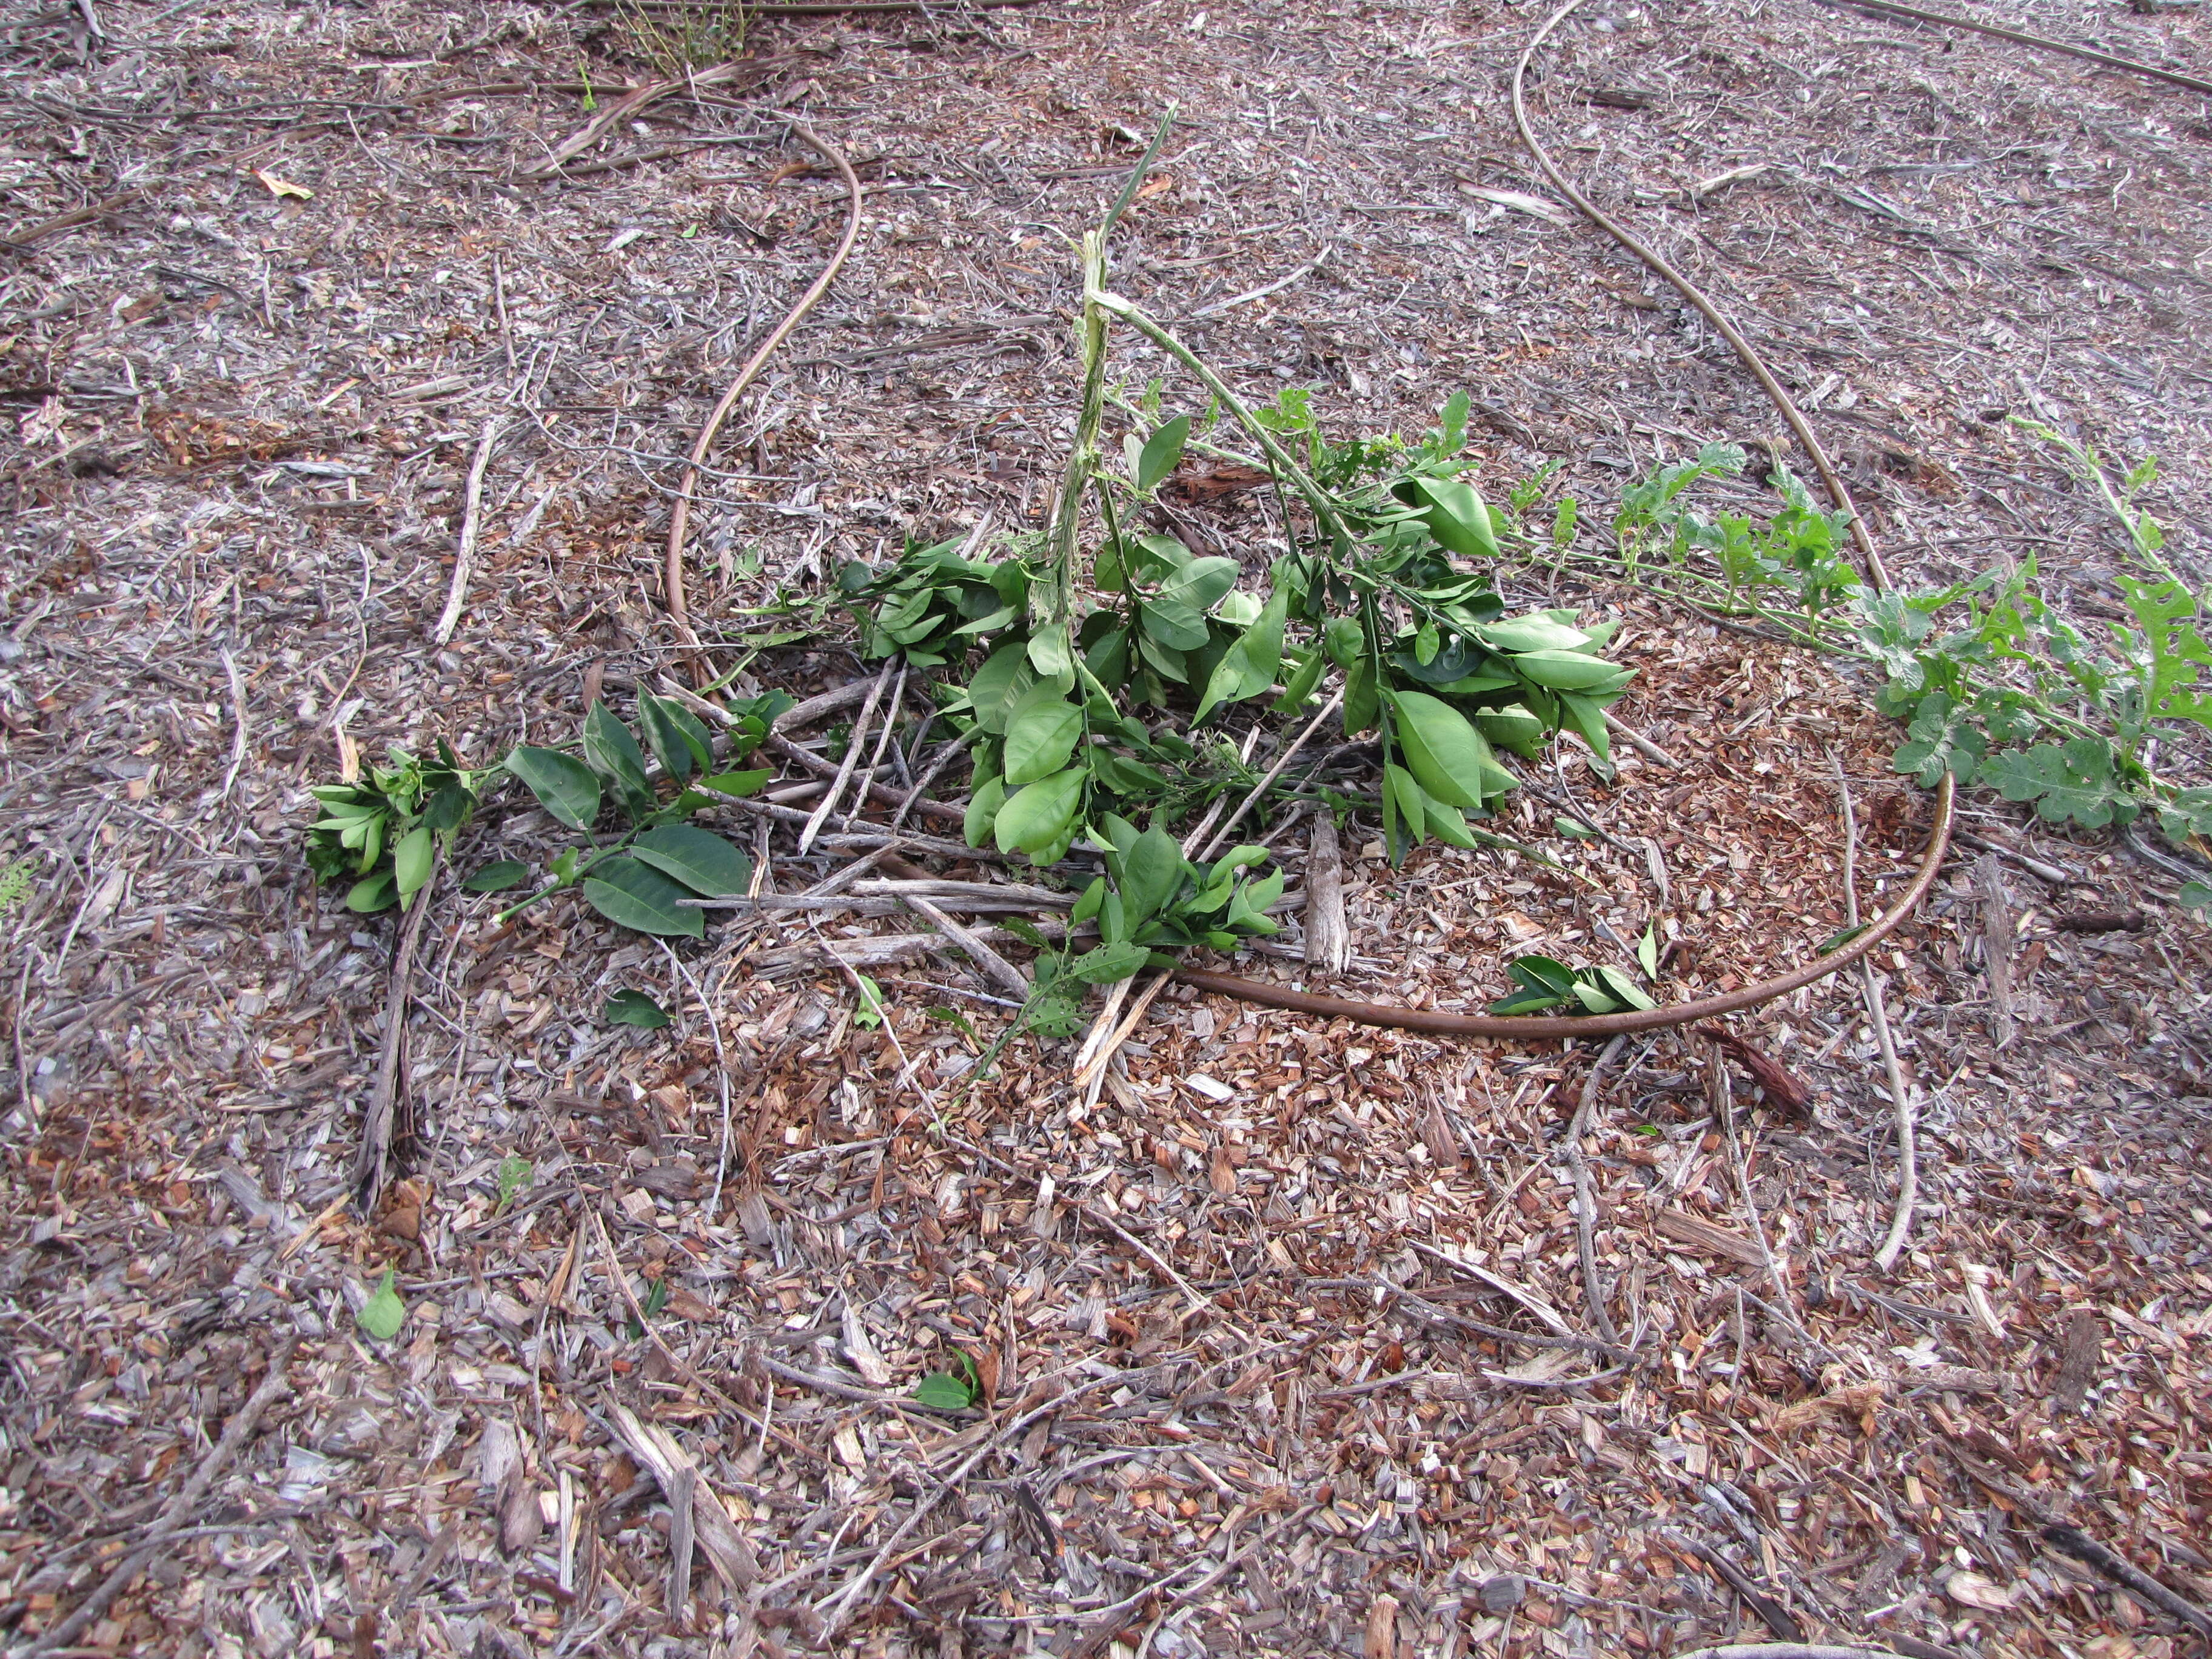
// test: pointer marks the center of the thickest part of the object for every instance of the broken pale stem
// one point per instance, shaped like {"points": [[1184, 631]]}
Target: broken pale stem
{"points": [[1908, 1173], [813, 826], [465, 555]]}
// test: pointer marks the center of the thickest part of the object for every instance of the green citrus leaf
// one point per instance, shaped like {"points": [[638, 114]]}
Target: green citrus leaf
{"points": [[1035, 815], [637, 896], [1160, 453], [943, 1391], [709, 866], [383, 1314], [1042, 731], [564, 785], [633, 1008]]}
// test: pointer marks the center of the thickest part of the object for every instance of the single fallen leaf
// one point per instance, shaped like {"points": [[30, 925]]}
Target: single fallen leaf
{"points": [[283, 187], [1972, 1590]]}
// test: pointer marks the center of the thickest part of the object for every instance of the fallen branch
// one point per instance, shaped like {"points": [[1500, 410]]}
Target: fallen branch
{"points": [[829, 802], [1585, 1204], [457, 591], [1009, 978], [1908, 1171], [372, 1165], [1777, 1618], [2137, 1582]]}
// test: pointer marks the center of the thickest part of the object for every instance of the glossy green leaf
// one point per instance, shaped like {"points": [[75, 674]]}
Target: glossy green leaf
{"points": [[1039, 814], [371, 893], [1088, 906], [679, 741], [1621, 988], [1565, 671], [983, 803], [1200, 584], [1535, 633], [1446, 824], [709, 866], [1444, 751], [1249, 667], [1454, 512], [1172, 623], [1151, 873], [564, 785], [1302, 682], [1041, 733], [740, 784], [1588, 719], [636, 895], [1161, 451], [610, 751], [635, 1008], [1647, 952], [1407, 796], [1004, 677]]}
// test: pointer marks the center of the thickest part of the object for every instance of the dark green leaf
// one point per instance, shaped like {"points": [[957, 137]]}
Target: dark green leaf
{"points": [[2194, 895], [1526, 1002], [496, 878], [610, 751], [564, 785], [709, 866], [680, 742], [633, 1008], [637, 896]]}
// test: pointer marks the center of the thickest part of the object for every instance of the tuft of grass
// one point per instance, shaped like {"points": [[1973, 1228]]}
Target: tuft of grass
{"points": [[676, 38]]}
